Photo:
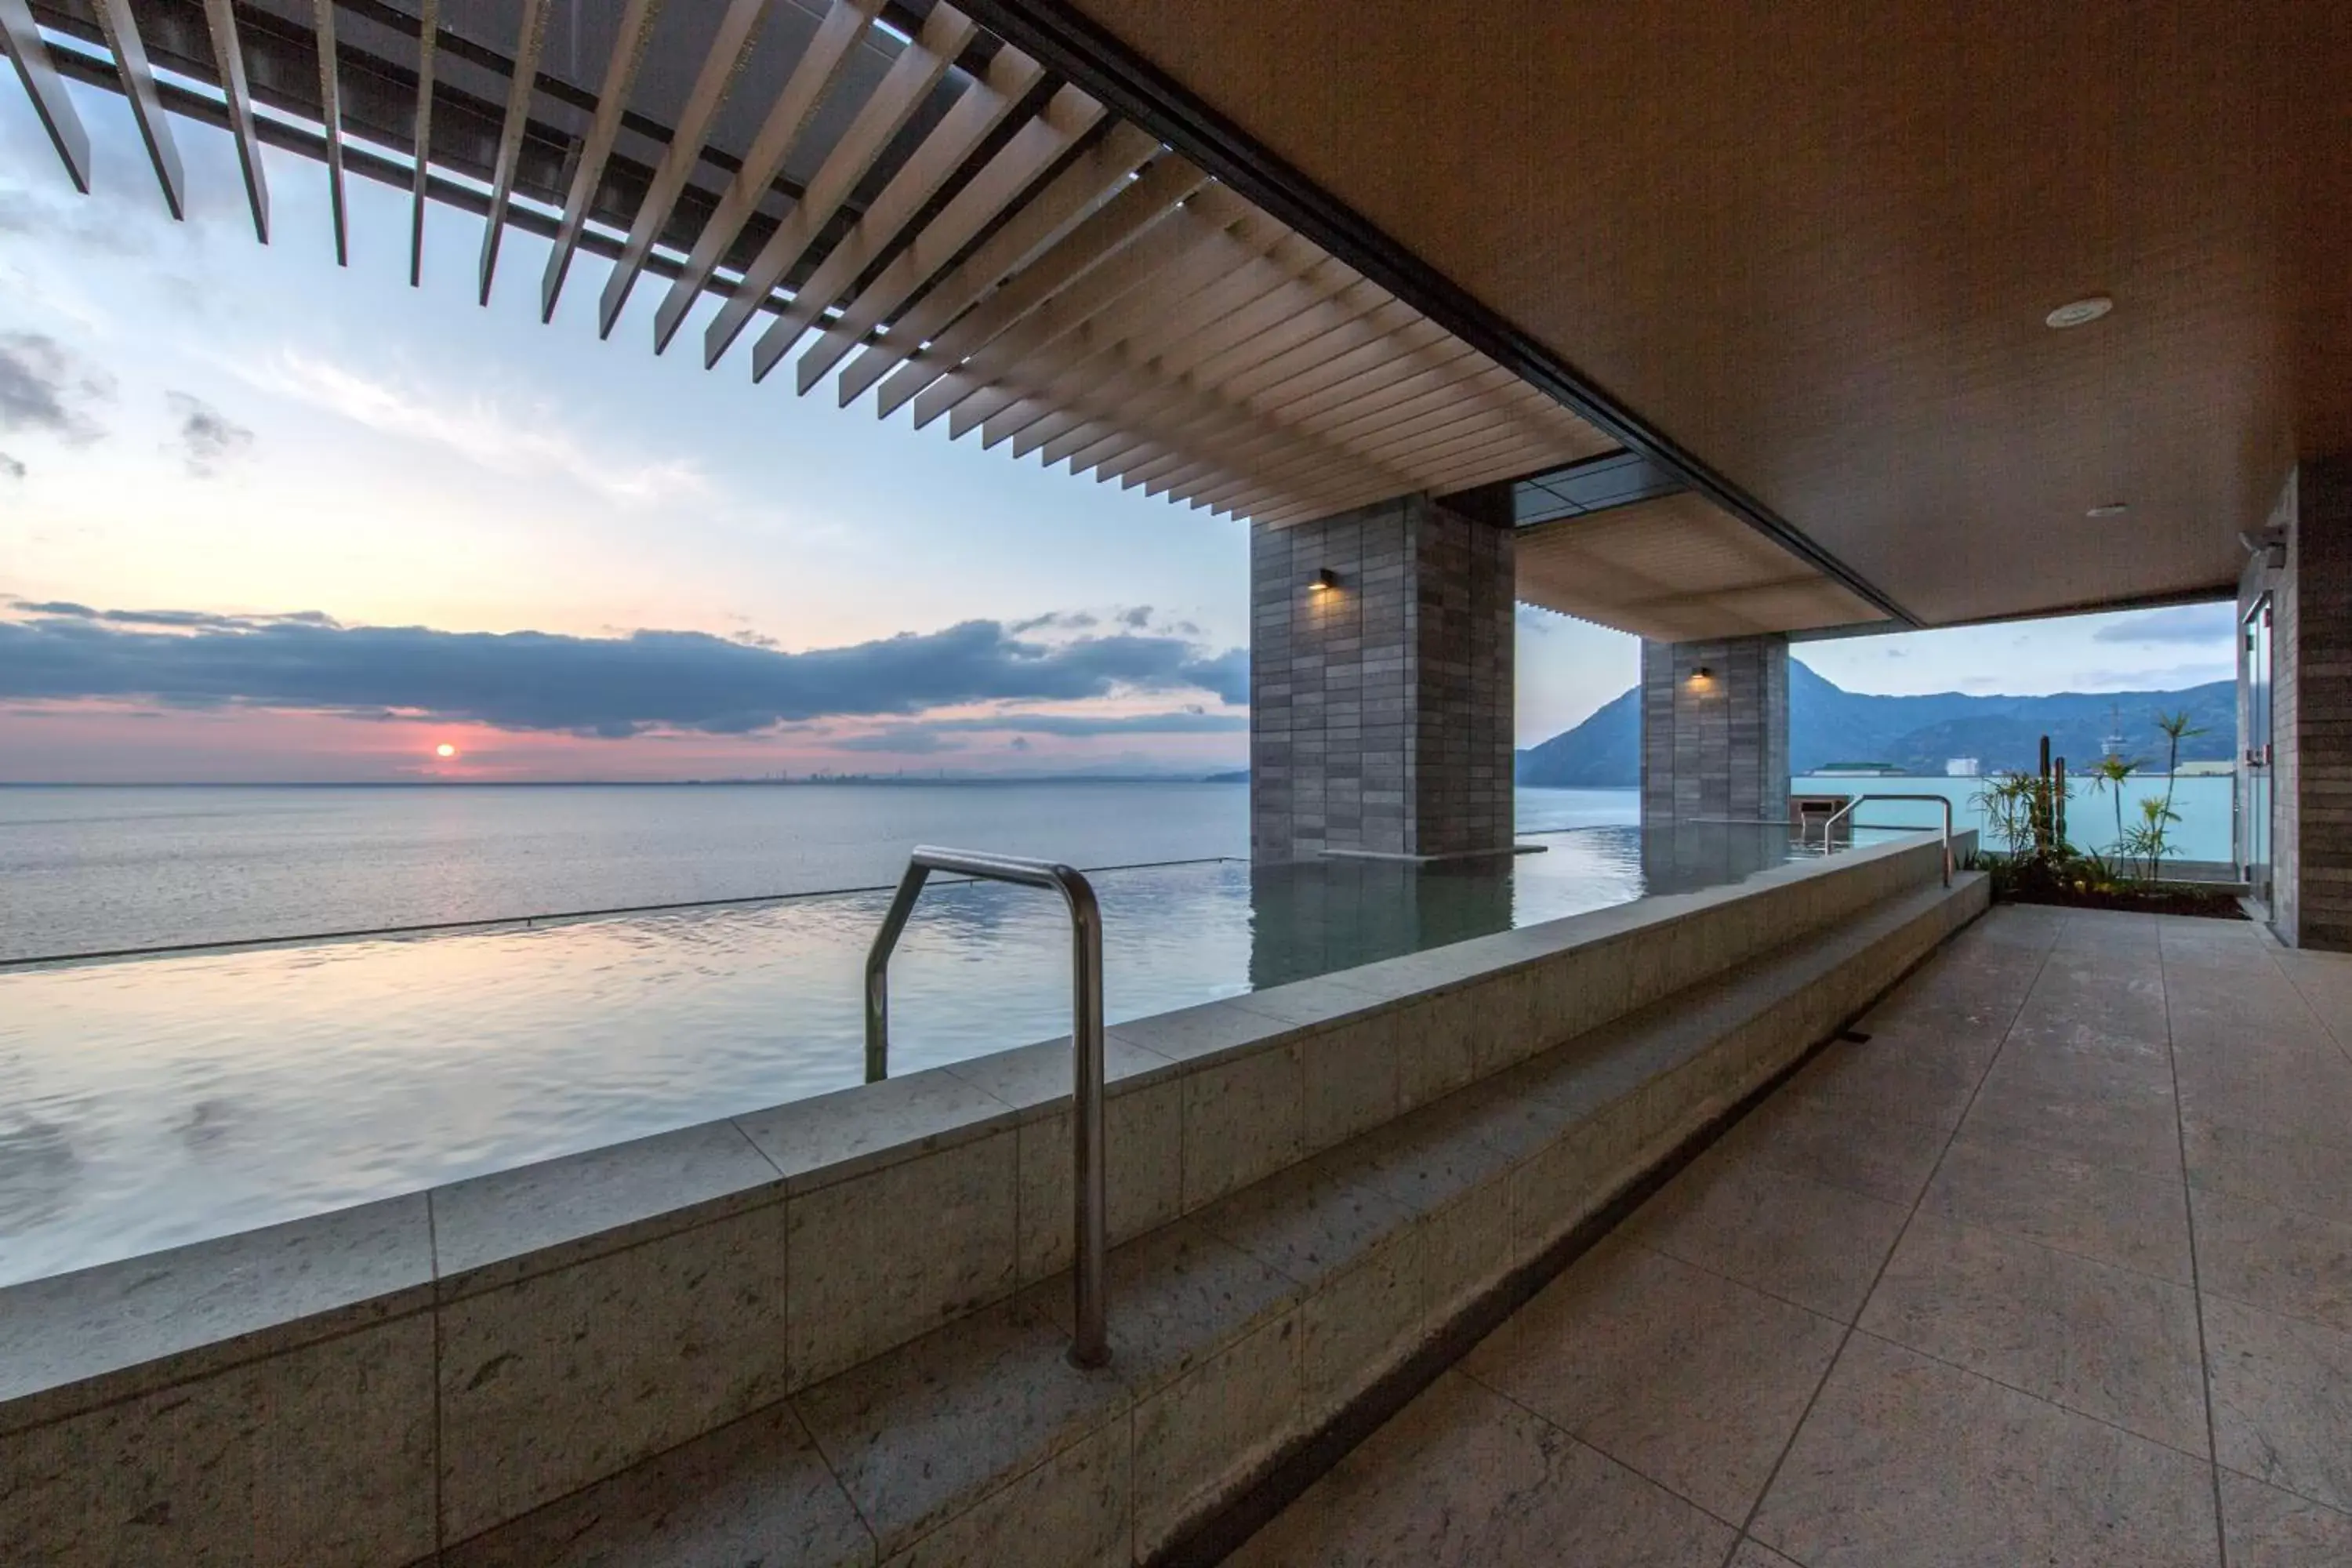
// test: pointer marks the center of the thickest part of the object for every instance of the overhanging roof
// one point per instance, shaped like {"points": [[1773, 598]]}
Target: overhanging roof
{"points": [[1677, 568], [1813, 246]]}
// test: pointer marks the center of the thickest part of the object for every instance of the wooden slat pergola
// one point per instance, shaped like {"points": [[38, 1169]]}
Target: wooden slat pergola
{"points": [[900, 202]]}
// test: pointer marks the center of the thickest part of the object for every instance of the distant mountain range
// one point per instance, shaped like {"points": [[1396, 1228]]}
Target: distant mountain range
{"points": [[1829, 725]]}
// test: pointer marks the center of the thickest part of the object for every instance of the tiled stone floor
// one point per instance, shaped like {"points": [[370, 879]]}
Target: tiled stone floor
{"points": [[2055, 1268]]}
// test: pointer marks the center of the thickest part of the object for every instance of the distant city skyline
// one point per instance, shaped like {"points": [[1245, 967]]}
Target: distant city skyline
{"points": [[264, 517]]}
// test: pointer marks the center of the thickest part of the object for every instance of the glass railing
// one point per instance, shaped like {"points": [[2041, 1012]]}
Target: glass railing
{"points": [[2096, 814]]}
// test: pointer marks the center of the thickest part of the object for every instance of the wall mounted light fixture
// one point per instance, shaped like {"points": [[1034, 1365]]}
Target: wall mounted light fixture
{"points": [[1323, 581], [1702, 673]]}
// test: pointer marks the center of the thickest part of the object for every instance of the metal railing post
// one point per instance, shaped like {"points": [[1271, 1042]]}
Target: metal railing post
{"points": [[1089, 1217], [1829, 827]]}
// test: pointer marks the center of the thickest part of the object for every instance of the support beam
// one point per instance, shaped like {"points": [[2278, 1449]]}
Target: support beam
{"points": [[819, 68], [588, 173], [953, 143], [526, 73], [228, 56], [737, 28], [122, 31], [1067, 198], [330, 124], [1141, 208], [919, 67], [428, 38], [47, 90], [1032, 150]]}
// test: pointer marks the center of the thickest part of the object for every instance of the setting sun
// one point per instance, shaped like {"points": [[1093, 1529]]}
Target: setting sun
{"points": [[444, 751]]}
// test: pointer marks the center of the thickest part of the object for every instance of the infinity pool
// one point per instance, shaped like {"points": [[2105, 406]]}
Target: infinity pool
{"points": [[162, 1100]]}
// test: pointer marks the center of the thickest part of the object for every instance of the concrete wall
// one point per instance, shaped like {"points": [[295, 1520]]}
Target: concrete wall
{"points": [[2311, 683], [1715, 745], [1381, 709]]}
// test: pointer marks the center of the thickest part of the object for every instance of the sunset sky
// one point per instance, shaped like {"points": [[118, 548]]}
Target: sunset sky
{"points": [[262, 518]]}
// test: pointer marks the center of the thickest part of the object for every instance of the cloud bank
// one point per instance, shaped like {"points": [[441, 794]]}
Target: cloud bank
{"points": [[612, 687]]}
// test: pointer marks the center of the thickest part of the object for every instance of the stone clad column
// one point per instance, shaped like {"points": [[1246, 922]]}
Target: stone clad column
{"points": [[2310, 704], [1714, 729], [1381, 704]]}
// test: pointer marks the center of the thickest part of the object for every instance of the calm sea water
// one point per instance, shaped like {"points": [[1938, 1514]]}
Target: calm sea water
{"points": [[99, 868], [150, 1101]]}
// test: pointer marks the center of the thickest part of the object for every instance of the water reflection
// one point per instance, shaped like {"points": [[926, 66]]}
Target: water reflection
{"points": [[153, 1102]]}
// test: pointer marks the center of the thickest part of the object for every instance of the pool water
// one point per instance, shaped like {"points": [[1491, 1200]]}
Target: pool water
{"points": [[150, 1102]]}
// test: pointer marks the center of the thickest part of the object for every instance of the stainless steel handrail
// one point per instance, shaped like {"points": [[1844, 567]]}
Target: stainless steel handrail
{"points": [[1089, 1346], [1829, 827]]}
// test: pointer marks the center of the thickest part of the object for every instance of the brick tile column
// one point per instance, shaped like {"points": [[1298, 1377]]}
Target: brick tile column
{"points": [[1381, 707], [1714, 729]]}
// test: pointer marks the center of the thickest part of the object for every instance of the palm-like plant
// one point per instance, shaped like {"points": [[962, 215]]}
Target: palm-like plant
{"points": [[2177, 728], [2151, 840], [2108, 778]]}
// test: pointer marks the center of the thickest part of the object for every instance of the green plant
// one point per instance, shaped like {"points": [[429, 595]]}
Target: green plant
{"points": [[2150, 841], [2021, 810], [2108, 778], [2177, 728]]}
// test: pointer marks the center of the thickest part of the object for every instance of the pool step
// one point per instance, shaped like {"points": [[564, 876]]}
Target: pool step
{"points": [[1240, 1332]]}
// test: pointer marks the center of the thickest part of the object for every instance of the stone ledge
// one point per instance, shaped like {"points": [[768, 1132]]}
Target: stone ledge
{"points": [[1239, 1332]]}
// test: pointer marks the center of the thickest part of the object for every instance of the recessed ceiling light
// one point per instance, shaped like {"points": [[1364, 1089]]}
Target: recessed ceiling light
{"points": [[2080, 312], [2109, 509]]}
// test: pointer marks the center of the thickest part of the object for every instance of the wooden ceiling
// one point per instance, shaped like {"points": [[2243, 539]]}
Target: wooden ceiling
{"points": [[1677, 568], [1815, 244]]}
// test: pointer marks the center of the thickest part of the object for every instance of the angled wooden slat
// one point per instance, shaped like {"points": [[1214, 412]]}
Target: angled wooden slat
{"points": [[533, 33], [1438, 396], [228, 56], [738, 25], [1454, 463], [1163, 244], [1135, 356], [612, 100], [1226, 417], [1376, 389], [1467, 466], [1147, 362], [1449, 429], [1154, 197], [1319, 350], [47, 90], [1375, 398], [814, 75], [984, 106], [919, 67], [1301, 328], [420, 179], [1203, 435], [1112, 334], [1268, 423], [1067, 198], [1320, 281], [122, 31], [1398, 408], [330, 122], [1418, 344], [998, 185]]}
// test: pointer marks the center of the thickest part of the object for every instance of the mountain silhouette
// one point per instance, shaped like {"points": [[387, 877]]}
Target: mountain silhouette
{"points": [[1829, 724]]}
